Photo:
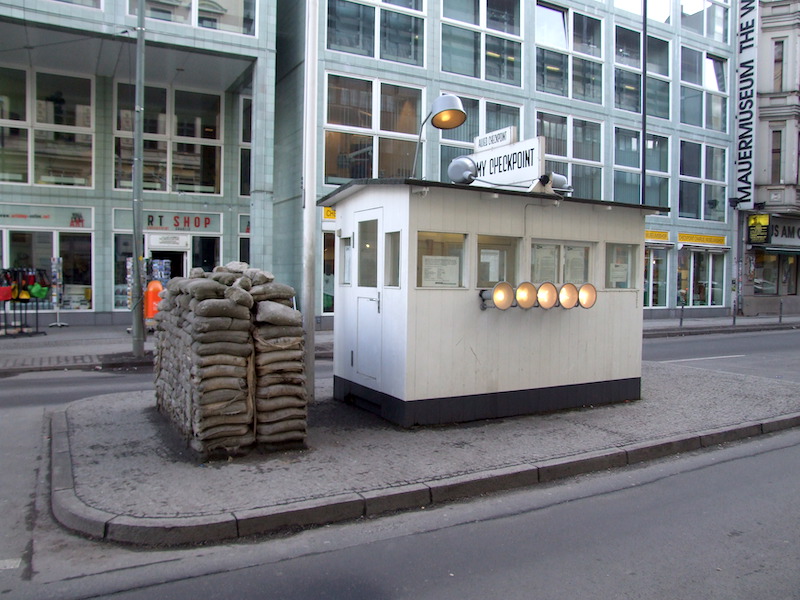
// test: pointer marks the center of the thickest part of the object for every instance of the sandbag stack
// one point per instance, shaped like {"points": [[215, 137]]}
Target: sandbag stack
{"points": [[280, 377], [206, 362]]}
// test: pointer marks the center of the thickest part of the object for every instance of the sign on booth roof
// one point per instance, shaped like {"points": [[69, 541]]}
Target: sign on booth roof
{"points": [[515, 166]]}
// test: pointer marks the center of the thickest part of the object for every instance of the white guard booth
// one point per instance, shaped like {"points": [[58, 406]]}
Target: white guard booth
{"points": [[415, 342]]}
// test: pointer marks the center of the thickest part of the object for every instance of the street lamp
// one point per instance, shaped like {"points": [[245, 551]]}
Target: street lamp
{"points": [[447, 112]]}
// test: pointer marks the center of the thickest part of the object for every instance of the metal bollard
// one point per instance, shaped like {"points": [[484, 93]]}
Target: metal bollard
{"points": [[734, 313], [681, 321], [780, 312]]}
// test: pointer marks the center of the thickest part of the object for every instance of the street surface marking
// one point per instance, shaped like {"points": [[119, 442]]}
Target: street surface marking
{"points": [[10, 563], [704, 358]]}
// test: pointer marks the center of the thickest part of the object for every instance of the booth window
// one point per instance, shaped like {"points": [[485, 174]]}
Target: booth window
{"points": [[328, 266], [440, 259], [497, 260], [391, 272], [620, 263], [368, 253], [346, 250], [560, 263]]}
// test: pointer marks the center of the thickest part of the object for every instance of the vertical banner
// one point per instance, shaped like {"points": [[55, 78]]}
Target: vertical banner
{"points": [[744, 154]]}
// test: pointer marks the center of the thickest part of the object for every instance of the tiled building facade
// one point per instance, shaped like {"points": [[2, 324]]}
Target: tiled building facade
{"points": [[634, 109]]}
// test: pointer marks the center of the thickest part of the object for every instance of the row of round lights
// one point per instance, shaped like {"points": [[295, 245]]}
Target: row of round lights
{"points": [[546, 296]]}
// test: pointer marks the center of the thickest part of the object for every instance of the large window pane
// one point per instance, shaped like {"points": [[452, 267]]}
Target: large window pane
{"points": [[657, 153], [655, 289], [657, 56], [586, 35], [462, 51], [205, 252], [499, 116], [197, 115], [349, 101], [551, 26], [586, 140], [503, 15], [62, 158], [466, 11], [716, 75], [76, 250], [195, 168], [551, 72], [627, 91], [63, 100], [626, 148], [347, 156], [691, 159], [587, 181], [691, 106], [715, 203], [656, 191], [587, 80], [154, 174], [13, 94], [402, 38], [691, 66], [503, 60], [400, 109], [659, 11], [351, 27], [155, 109], [717, 280], [395, 157], [692, 15], [717, 25], [554, 130], [627, 187], [689, 200], [715, 163], [628, 49], [716, 112], [30, 249], [657, 98], [13, 155]]}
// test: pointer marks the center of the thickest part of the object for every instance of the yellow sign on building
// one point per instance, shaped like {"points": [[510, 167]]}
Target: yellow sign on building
{"points": [[328, 213], [694, 238]]}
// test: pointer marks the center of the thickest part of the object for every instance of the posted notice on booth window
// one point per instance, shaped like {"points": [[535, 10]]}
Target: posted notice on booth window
{"points": [[440, 271]]}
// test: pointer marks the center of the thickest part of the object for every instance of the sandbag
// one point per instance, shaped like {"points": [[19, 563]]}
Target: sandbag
{"points": [[203, 289], [218, 359], [272, 290], [282, 415], [281, 343], [293, 366], [221, 308], [265, 358], [232, 337], [221, 383], [281, 389], [267, 332], [203, 349], [240, 296], [217, 370], [281, 427], [266, 405]]}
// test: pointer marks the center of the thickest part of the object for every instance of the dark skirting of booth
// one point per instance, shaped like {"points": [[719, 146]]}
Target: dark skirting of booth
{"points": [[459, 409]]}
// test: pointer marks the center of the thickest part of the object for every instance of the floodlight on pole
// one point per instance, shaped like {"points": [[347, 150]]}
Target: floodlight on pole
{"points": [[447, 112]]}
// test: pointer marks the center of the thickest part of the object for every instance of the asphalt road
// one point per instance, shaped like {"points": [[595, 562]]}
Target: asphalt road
{"points": [[719, 524]]}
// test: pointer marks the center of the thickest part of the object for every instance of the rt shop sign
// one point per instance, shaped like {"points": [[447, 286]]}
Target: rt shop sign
{"points": [[164, 220]]}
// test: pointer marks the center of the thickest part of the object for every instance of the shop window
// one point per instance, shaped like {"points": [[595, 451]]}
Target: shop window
{"points": [[205, 252], [328, 269], [701, 278], [392, 260], [123, 251], [497, 260], [440, 259], [368, 253], [789, 275], [620, 261], [775, 274], [75, 249], [655, 277]]}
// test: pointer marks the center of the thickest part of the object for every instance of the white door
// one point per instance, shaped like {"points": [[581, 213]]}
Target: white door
{"points": [[369, 282]]}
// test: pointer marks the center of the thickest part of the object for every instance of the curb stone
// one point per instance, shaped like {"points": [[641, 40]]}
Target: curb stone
{"points": [[74, 514]]}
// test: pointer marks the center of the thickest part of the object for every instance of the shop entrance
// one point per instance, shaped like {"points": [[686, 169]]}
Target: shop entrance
{"points": [[177, 260]]}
